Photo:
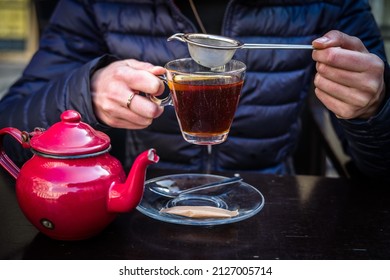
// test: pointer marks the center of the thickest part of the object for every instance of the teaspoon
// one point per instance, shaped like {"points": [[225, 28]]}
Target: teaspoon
{"points": [[168, 188]]}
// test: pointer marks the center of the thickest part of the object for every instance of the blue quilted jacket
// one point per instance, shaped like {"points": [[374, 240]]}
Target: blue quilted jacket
{"points": [[85, 35]]}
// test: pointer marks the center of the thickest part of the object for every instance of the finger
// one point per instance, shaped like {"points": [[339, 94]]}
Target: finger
{"points": [[337, 91], [340, 76], [122, 117], [144, 108], [127, 123], [138, 104], [116, 118], [141, 65], [332, 89], [348, 95], [362, 81], [158, 70], [340, 108], [336, 38], [143, 81], [114, 112], [344, 59], [139, 76]]}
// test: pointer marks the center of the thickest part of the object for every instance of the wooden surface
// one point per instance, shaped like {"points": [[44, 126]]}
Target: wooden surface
{"points": [[304, 217]]}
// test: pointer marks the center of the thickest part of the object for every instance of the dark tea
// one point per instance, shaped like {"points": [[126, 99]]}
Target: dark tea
{"points": [[205, 99], [205, 106]]}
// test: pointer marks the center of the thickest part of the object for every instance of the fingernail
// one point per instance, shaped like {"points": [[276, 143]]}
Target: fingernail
{"points": [[322, 40]]}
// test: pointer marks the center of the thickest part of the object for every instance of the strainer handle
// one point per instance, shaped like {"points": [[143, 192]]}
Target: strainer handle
{"points": [[278, 46], [177, 36]]}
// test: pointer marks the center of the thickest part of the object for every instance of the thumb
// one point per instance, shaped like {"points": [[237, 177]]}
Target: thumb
{"points": [[336, 38]]}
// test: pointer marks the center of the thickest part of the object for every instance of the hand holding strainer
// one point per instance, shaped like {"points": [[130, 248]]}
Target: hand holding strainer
{"points": [[213, 51]]}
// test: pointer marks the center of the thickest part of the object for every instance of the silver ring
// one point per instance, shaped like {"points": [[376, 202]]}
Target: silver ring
{"points": [[131, 96]]}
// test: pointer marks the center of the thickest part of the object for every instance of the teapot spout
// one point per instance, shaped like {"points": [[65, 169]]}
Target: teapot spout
{"points": [[124, 197]]}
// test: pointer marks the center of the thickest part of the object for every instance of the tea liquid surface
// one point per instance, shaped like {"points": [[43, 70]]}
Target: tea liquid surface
{"points": [[205, 110]]}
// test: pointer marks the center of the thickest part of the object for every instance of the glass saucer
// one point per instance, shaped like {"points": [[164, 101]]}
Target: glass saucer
{"points": [[239, 196]]}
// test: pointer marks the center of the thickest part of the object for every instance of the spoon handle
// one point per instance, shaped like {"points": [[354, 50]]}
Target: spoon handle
{"points": [[213, 185], [277, 46]]}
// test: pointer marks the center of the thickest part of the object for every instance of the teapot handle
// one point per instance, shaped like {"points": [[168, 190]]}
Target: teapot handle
{"points": [[5, 161]]}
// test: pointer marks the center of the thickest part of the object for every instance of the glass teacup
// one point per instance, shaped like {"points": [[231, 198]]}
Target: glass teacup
{"points": [[205, 99]]}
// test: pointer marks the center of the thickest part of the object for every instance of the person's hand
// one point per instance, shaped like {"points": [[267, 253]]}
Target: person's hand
{"points": [[115, 93], [349, 79]]}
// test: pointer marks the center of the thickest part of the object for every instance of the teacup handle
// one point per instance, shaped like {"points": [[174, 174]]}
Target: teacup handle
{"points": [[5, 161], [162, 101]]}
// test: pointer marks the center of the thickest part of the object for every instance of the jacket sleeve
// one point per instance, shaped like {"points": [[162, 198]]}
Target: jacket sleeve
{"points": [[58, 76], [367, 141]]}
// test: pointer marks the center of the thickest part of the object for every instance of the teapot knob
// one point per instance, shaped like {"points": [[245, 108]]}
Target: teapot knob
{"points": [[71, 116]]}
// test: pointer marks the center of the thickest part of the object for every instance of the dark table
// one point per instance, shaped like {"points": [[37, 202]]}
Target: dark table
{"points": [[304, 217]]}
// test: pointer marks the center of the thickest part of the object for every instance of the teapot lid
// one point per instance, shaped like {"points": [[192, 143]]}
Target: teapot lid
{"points": [[70, 137]]}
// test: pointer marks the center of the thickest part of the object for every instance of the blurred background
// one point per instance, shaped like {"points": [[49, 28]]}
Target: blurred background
{"points": [[320, 153]]}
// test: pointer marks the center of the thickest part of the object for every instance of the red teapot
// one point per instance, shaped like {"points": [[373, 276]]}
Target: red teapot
{"points": [[72, 188]]}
